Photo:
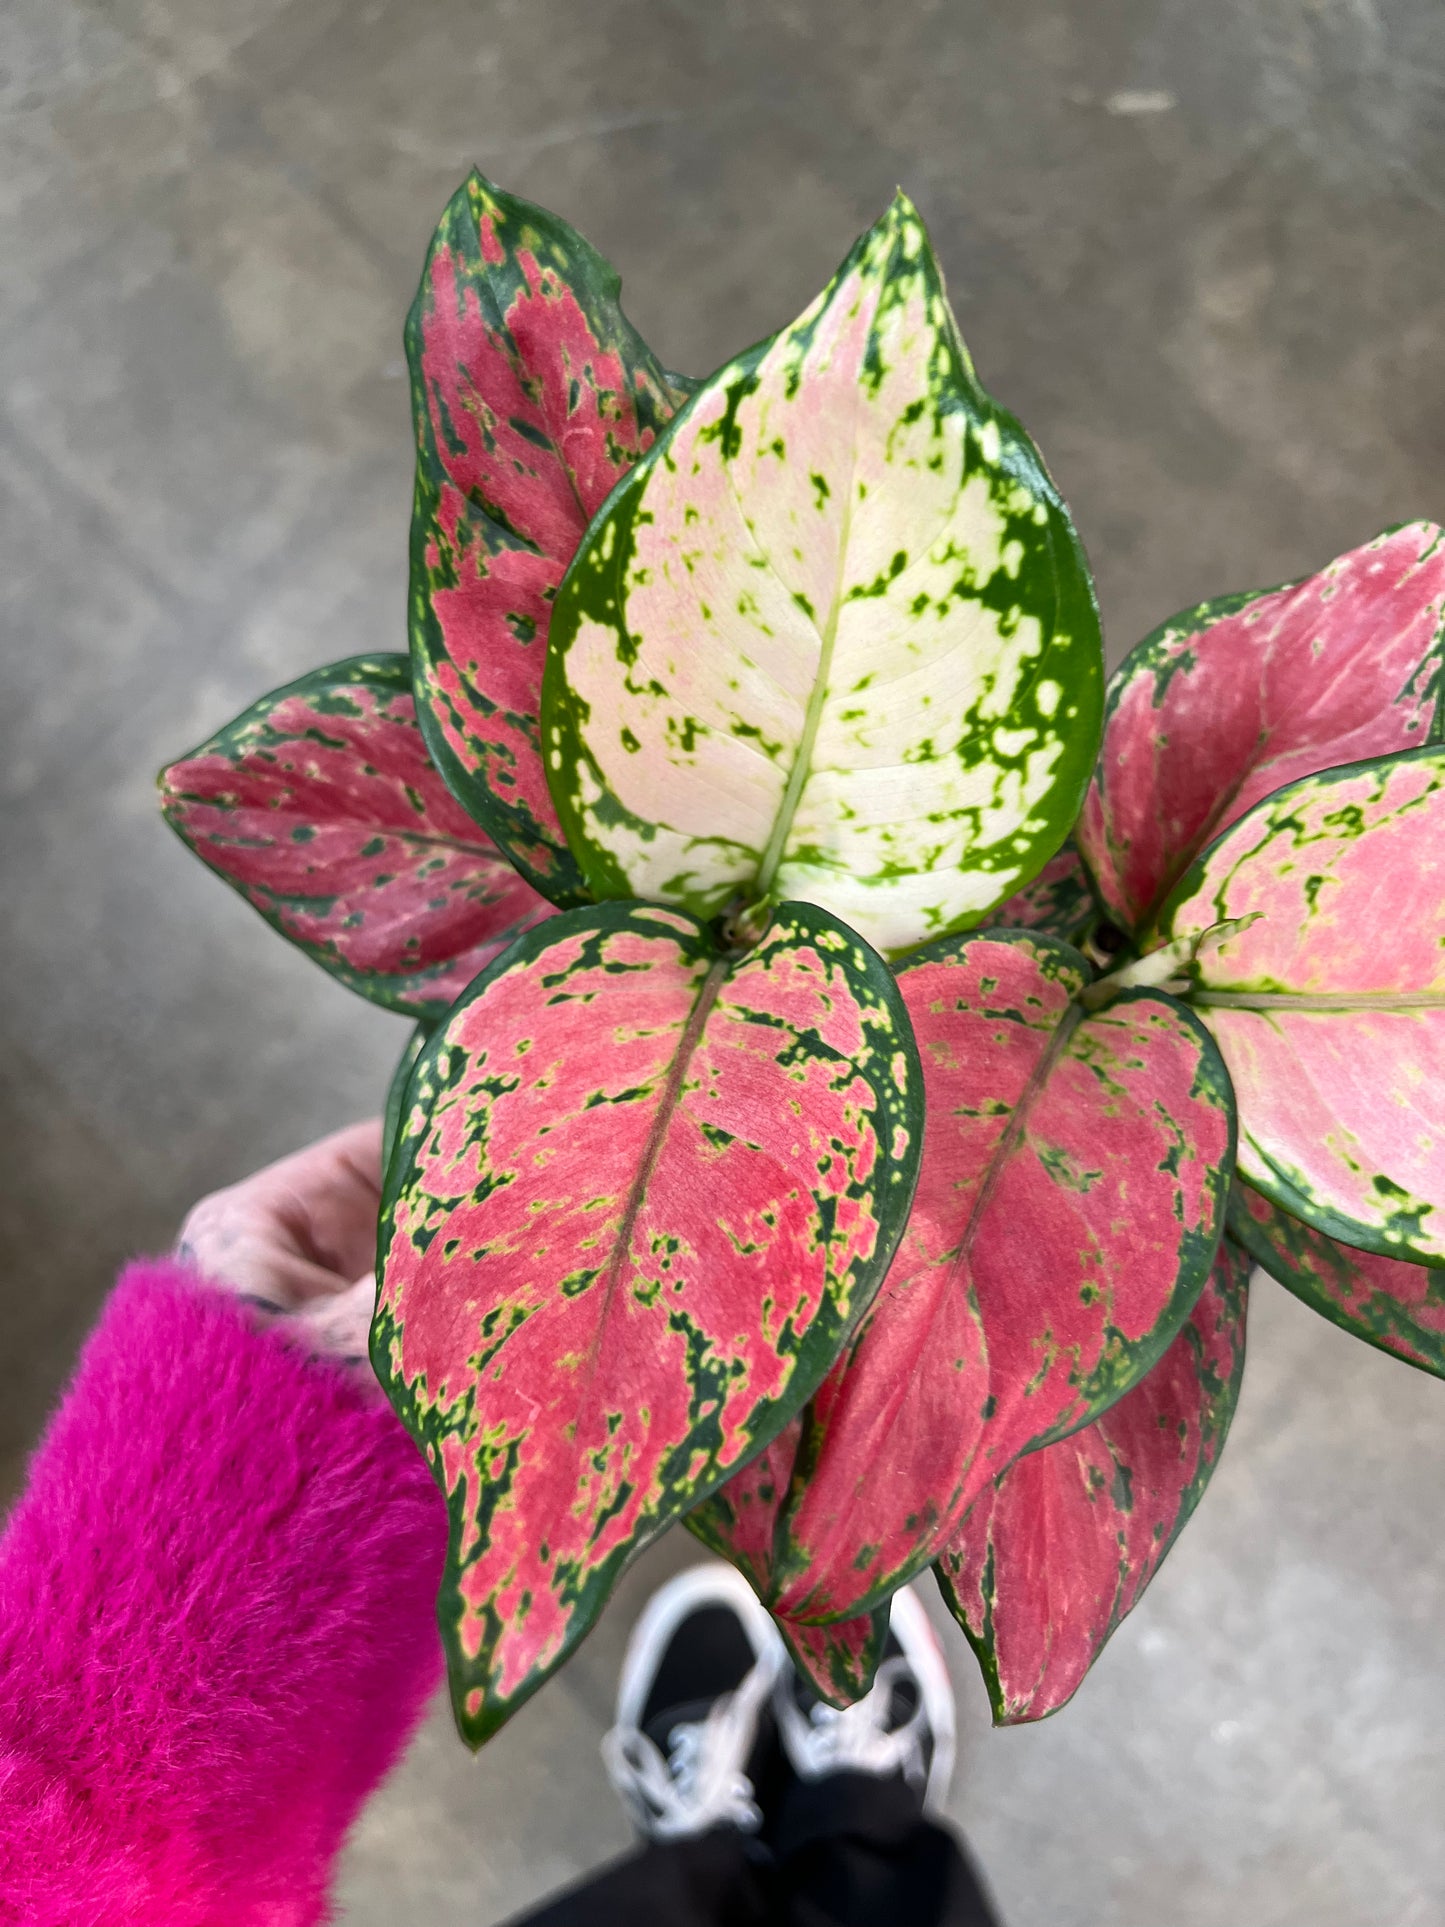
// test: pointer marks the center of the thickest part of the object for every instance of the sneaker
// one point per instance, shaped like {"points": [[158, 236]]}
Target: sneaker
{"points": [[903, 1725], [693, 1706]]}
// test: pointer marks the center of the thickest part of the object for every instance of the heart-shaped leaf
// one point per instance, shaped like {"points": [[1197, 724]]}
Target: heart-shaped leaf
{"points": [[320, 805], [531, 393], [1069, 1205], [1052, 1559], [1399, 1307], [1326, 992], [835, 638], [1231, 700], [739, 1520], [1059, 901], [643, 1191]]}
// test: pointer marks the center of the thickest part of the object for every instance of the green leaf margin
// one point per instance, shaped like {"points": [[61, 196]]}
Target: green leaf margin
{"points": [[1281, 1190], [899, 1131], [598, 287], [609, 542]]}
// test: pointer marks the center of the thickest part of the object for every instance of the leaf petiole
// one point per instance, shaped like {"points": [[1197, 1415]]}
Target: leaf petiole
{"points": [[1166, 968]]}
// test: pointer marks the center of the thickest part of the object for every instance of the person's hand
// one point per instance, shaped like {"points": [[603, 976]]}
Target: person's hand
{"points": [[299, 1238]]}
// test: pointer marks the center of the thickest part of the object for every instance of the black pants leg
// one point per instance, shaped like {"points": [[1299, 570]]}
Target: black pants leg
{"points": [[848, 1851], [717, 1878], [854, 1851]]}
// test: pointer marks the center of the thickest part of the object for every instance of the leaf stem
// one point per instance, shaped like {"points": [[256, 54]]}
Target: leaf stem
{"points": [[1321, 1000], [1153, 971], [1166, 968]]}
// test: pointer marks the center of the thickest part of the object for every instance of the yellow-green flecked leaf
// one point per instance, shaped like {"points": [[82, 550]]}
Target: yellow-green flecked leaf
{"points": [[833, 638]]}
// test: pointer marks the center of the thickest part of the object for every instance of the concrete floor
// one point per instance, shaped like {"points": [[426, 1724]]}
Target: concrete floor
{"points": [[1197, 248]]}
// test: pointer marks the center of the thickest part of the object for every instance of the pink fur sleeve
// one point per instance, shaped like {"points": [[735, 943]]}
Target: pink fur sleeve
{"points": [[216, 1622]]}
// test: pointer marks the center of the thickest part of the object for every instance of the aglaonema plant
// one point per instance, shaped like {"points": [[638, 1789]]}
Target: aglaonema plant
{"points": [[858, 1059]]}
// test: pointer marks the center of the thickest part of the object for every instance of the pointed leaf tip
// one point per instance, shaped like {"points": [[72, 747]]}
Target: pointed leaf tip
{"points": [[608, 1280], [1052, 1558], [739, 1520], [1230, 700], [320, 806], [834, 639], [839, 1660], [531, 394]]}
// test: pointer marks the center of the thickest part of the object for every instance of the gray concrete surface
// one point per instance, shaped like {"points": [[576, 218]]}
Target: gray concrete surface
{"points": [[1198, 248]]}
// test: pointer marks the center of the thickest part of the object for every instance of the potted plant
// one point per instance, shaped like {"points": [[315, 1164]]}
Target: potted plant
{"points": [[859, 1058]]}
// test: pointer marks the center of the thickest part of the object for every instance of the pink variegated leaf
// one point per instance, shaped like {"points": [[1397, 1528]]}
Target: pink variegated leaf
{"points": [[834, 638], [531, 393], [1069, 1206], [1052, 1558], [642, 1191], [320, 805], [1059, 901], [1237, 697], [1399, 1307], [1317, 927], [738, 1520], [837, 1660]]}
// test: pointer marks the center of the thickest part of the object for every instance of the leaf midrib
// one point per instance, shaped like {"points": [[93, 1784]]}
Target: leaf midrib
{"points": [[802, 765], [1012, 1134], [687, 1043], [358, 825], [1319, 1000]]}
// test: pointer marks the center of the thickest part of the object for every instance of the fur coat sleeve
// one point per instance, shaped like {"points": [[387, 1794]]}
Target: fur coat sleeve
{"points": [[217, 1622]]}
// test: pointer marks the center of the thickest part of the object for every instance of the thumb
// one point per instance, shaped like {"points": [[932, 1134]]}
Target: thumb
{"points": [[340, 1324]]}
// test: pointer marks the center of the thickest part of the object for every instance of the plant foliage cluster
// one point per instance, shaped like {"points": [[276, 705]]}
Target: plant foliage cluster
{"points": [[858, 1057]]}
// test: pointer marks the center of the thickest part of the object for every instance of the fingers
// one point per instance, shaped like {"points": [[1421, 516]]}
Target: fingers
{"points": [[326, 1197], [340, 1326], [302, 1228], [254, 1265]]}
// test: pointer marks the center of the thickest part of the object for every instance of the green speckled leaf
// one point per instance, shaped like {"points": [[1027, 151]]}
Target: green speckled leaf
{"points": [[1053, 1557], [1325, 989], [320, 806], [739, 1519], [838, 1660], [642, 1192], [1059, 901], [532, 393], [834, 638], [1069, 1206], [1397, 1306], [1240, 695]]}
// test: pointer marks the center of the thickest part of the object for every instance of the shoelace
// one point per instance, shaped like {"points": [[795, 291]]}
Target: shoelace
{"points": [[830, 1739], [702, 1782]]}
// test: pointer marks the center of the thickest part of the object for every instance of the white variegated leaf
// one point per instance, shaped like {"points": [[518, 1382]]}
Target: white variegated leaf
{"points": [[834, 637]]}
